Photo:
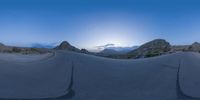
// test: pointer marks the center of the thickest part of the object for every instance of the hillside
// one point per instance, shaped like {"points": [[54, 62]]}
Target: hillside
{"points": [[22, 50], [152, 48], [66, 46]]}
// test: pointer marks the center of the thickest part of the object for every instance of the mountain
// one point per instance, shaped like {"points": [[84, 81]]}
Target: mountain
{"points": [[66, 46], [123, 49], [114, 52], [107, 52], [152, 48], [116, 48]]}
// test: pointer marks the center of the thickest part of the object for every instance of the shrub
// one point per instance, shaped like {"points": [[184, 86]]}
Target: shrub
{"points": [[152, 54], [15, 49]]}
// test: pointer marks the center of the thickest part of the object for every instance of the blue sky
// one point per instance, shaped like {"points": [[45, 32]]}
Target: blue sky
{"points": [[91, 23]]}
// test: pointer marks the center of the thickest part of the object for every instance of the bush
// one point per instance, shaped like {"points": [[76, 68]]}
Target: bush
{"points": [[152, 54], [15, 49]]}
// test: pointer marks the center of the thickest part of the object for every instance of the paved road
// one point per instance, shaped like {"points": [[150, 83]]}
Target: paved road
{"points": [[190, 75], [42, 79], [145, 79], [75, 76]]}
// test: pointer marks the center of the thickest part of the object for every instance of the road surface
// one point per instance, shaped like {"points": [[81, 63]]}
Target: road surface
{"points": [[75, 76]]}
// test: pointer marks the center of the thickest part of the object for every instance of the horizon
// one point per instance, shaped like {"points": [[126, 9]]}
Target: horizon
{"points": [[97, 48], [89, 24]]}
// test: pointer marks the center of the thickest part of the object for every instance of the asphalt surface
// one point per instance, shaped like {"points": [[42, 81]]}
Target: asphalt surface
{"points": [[41, 79], [74, 76], [189, 75]]}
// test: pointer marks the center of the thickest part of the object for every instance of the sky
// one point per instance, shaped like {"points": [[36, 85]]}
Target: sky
{"points": [[91, 23]]}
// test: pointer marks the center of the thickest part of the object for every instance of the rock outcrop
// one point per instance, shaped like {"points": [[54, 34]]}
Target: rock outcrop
{"points": [[85, 51], [178, 48], [195, 47]]}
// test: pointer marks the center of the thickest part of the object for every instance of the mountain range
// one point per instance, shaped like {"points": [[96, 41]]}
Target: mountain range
{"points": [[150, 49], [153, 48]]}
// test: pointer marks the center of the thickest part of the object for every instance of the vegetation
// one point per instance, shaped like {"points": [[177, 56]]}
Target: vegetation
{"points": [[17, 50], [152, 54]]}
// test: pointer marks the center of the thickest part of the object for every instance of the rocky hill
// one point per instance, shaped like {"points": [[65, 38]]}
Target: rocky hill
{"points": [[152, 48], [66, 46], [195, 47], [159, 47], [85, 51], [177, 48]]}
